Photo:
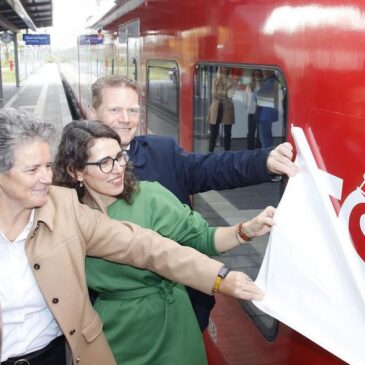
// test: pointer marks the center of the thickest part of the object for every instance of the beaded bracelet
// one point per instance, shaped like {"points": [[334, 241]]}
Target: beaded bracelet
{"points": [[242, 234]]}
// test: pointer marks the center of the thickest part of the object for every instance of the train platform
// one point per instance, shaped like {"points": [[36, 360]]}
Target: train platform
{"points": [[9, 90], [41, 94]]}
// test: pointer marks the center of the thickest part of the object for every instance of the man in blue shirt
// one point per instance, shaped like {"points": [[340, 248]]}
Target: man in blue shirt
{"points": [[115, 102], [267, 98]]}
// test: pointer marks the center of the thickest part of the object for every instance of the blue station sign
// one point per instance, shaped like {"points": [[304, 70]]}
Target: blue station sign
{"points": [[90, 39], [36, 39]]}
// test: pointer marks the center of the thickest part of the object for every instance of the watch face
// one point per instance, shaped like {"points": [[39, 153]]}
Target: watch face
{"points": [[224, 272]]}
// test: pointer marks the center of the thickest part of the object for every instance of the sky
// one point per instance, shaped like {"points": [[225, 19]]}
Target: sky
{"points": [[70, 19]]}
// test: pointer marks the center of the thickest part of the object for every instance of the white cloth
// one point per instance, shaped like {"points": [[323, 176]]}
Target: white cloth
{"points": [[313, 278], [28, 324]]}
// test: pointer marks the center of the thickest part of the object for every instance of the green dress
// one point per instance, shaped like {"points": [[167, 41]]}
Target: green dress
{"points": [[148, 320]]}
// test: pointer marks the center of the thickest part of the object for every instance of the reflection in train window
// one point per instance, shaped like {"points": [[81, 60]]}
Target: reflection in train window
{"points": [[163, 98], [240, 107], [243, 106]]}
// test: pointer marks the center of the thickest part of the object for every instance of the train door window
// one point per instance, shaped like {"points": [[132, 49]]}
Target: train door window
{"points": [[247, 103], [240, 107], [128, 49], [163, 98]]}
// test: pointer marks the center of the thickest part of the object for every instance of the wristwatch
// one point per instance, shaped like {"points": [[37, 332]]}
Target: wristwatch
{"points": [[223, 272]]}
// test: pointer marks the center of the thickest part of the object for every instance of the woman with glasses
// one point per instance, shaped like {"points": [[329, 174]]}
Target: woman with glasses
{"points": [[159, 325]]}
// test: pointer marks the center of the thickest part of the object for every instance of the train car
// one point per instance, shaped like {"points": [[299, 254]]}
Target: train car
{"points": [[311, 58]]}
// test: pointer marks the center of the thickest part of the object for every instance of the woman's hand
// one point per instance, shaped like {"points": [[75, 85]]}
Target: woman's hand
{"points": [[239, 285], [261, 224], [227, 238]]}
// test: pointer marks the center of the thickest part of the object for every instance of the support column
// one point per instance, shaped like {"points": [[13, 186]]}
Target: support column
{"points": [[1, 83], [16, 59]]}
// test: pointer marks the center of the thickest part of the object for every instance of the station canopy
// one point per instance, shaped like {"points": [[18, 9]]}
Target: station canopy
{"points": [[16, 15]]}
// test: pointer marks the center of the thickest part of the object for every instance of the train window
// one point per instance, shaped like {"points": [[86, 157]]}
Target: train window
{"points": [[128, 49], [240, 107], [121, 51], [237, 107], [163, 98]]}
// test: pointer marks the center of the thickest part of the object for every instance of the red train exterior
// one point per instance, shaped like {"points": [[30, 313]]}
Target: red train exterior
{"points": [[318, 49]]}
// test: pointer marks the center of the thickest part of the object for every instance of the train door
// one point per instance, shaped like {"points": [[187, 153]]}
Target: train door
{"points": [[251, 101], [128, 50]]}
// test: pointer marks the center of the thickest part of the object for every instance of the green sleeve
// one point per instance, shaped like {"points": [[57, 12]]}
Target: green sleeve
{"points": [[172, 219]]}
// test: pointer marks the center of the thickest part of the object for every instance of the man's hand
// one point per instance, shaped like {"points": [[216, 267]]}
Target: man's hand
{"points": [[279, 161]]}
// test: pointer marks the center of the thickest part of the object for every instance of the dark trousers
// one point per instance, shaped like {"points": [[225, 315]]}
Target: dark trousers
{"points": [[214, 129], [202, 304], [252, 141], [265, 134], [53, 354], [265, 117]]}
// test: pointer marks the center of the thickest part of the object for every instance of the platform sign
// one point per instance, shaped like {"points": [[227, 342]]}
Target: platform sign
{"points": [[90, 39], [36, 39]]}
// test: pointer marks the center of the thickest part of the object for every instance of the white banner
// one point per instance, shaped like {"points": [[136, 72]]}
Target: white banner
{"points": [[313, 278]]}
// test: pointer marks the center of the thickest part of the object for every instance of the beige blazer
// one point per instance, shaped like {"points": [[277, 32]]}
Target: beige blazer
{"points": [[64, 232], [220, 87]]}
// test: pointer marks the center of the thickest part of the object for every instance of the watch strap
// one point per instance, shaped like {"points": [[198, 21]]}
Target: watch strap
{"points": [[223, 272]]}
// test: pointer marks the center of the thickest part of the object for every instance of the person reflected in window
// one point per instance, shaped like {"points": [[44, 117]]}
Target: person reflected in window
{"points": [[251, 102], [267, 107], [221, 110]]}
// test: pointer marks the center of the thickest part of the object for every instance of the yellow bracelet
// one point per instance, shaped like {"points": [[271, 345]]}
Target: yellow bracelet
{"points": [[223, 272], [216, 285]]}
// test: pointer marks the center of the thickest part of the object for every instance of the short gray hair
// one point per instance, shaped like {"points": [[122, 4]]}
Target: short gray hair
{"points": [[18, 128]]}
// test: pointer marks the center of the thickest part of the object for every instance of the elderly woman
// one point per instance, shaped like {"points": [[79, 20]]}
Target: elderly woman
{"points": [[90, 159], [45, 236]]}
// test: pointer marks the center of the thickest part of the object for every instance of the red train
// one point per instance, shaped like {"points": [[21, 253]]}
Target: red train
{"points": [[315, 51]]}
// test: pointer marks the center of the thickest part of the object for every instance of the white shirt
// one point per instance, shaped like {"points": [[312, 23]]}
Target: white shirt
{"points": [[28, 324]]}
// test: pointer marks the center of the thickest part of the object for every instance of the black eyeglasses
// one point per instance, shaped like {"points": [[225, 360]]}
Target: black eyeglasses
{"points": [[106, 164]]}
